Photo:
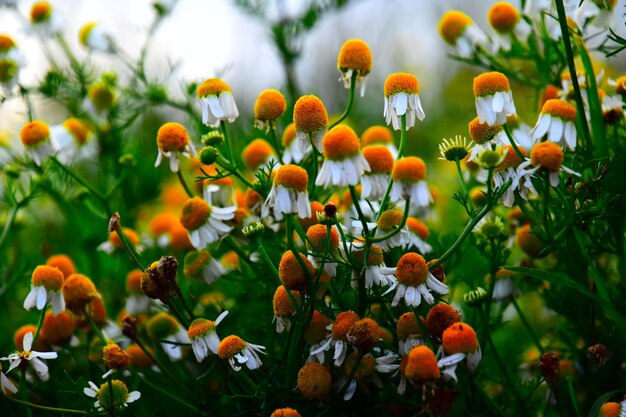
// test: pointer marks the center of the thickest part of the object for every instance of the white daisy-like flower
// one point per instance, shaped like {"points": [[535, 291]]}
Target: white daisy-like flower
{"points": [[418, 233], [373, 266], [205, 222], [203, 336], [343, 162], [217, 102], [409, 333], [200, 264], [292, 147], [45, 289], [547, 156], [386, 226], [45, 22], [409, 176], [402, 99], [37, 142], [6, 384], [597, 13], [33, 357], [367, 369], [374, 182], [459, 341], [94, 36], [337, 340], [355, 58], [557, 121], [114, 242], [521, 132], [73, 140], [505, 286], [508, 24], [310, 120], [506, 170], [289, 193], [238, 352], [613, 109], [494, 100], [414, 281], [118, 399], [485, 137], [172, 140], [460, 31]]}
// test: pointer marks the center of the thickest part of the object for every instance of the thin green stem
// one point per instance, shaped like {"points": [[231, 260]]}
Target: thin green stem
{"points": [[158, 364], [128, 246], [509, 135], [94, 328], [526, 324], [385, 201], [398, 228], [231, 156], [39, 324], [346, 112], [46, 408], [181, 179], [315, 157], [267, 259]]}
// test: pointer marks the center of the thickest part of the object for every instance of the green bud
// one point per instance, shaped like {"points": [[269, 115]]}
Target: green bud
{"points": [[208, 155], [253, 229], [475, 298], [127, 160], [489, 159], [213, 138], [156, 93], [12, 171]]}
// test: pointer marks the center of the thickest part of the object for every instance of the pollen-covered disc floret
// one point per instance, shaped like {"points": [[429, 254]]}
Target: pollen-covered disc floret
{"points": [[217, 102], [35, 137], [238, 352], [269, 106], [314, 381], [373, 265], [439, 318], [557, 120], [111, 395], [93, 35], [494, 100], [343, 162], [460, 339], [485, 136], [422, 365], [547, 156], [173, 139], [291, 273], [459, 30], [204, 222], [203, 336], [374, 182], [409, 333], [311, 121], [289, 193], [402, 99], [284, 307], [78, 291], [417, 234], [45, 288], [355, 58], [409, 176], [414, 281], [386, 226], [613, 409], [508, 24]]}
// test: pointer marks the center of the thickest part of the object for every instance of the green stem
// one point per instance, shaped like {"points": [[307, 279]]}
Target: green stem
{"points": [[9, 223], [179, 174], [398, 228], [385, 200], [39, 324], [509, 135], [315, 156], [94, 328], [267, 260], [346, 112], [43, 407], [228, 145], [526, 324], [128, 246], [464, 186], [158, 364]]}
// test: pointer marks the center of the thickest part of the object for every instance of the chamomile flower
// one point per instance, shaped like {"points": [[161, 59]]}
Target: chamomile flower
{"points": [[115, 358], [163, 329], [414, 281], [111, 395], [6, 385], [508, 24], [289, 193], [373, 266], [387, 223], [418, 233], [257, 154], [619, 84], [291, 272], [402, 98], [365, 368], [45, 288], [314, 381], [439, 318], [323, 237], [409, 333], [422, 366], [311, 122], [506, 170], [557, 120], [520, 131], [374, 182], [136, 300], [101, 99], [74, 140], [343, 162], [355, 58], [200, 264], [494, 100], [238, 352], [505, 286], [217, 102], [58, 330], [460, 339], [173, 139], [409, 176], [203, 336], [613, 109], [458, 30], [33, 357], [485, 136], [337, 340], [597, 13], [269, 106], [315, 336], [454, 149], [292, 150], [167, 231], [114, 242], [379, 135], [44, 20], [613, 409], [205, 222], [92, 35], [78, 292], [284, 307], [35, 137], [548, 157]]}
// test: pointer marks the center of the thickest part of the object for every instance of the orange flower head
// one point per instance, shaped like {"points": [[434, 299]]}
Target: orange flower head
{"points": [[115, 357], [195, 213], [389, 220], [78, 291], [289, 134], [314, 381], [418, 227], [40, 12], [408, 326], [528, 241], [283, 305], [230, 259], [172, 137], [63, 263], [548, 155], [374, 257], [441, 317], [379, 159], [364, 335], [6, 43], [459, 338], [58, 330], [377, 135], [343, 323], [256, 153], [230, 346], [340, 143], [78, 129], [401, 82], [489, 83], [610, 409], [452, 25], [511, 159], [291, 273], [212, 87], [482, 132], [34, 133], [292, 177], [559, 108], [285, 412], [133, 281], [49, 277], [161, 325], [319, 236], [316, 329], [200, 327], [422, 365], [412, 270], [269, 105], [138, 358], [130, 235], [355, 55], [551, 92], [309, 114], [503, 17], [18, 338]]}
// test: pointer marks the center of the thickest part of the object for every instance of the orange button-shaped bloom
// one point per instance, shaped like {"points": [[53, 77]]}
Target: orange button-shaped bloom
{"points": [[374, 257], [172, 137], [376, 135], [547, 155], [418, 227], [610, 409], [528, 241], [364, 335], [319, 236], [34, 132], [489, 83], [283, 305], [355, 55], [40, 12], [410, 169], [256, 153], [379, 158], [292, 177], [440, 317], [115, 357], [560, 108], [511, 158], [314, 381], [422, 365], [482, 132], [48, 277], [195, 213], [269, 105], [6, 43], [78, 291], [389, 220], [343, 323], [285, 412], [408, 326], [289, 134], [200, 327], [58, 330], [230, 346], [130, 234], [452, 25], [459, 338], [291, 273], [401, 82], [412, 270], [503, 17], [212, 87], [77, 128], [340, 143], [309, 114], [307, 222], [133, 281]]}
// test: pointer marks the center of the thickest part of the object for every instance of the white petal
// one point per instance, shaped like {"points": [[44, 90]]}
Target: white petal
{"points": [[27, 341], [133, 396]]}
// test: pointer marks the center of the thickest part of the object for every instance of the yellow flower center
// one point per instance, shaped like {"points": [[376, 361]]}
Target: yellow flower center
{"points": [[115, 357], [344, 321], [422, 365], [379, 159], [318, 235], [6, 43], [489, 83], [77, 129], [620, 85], [314, 381], [283, 306], [200, 327], [452, 25], [401, 83], [101, 96], [34, 133], [482, 132], [503, 17], [292, 177], [340, 143], [355, 55], [411, 269], [85, 32], [418, 227], [112, 395], [212, 87], [309, 114], [270, 105], [559, 108], [377, 135], [410, 169], [365, 333], [195, 213], [48, 277], [230, 346], [40, 12], [256, 153], [459, 338], [547, 155], [291, 273], [172, 137], [407, 326], [389, 220]]}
